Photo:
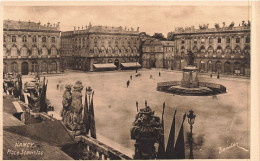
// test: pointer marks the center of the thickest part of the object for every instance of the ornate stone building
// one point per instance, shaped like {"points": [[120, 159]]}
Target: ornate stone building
{"points": [[157, 54], [152, 53], [100, 47], [223, 50], [30, 47]]}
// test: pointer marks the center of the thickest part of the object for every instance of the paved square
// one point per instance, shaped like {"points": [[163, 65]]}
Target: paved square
{"points": [[221, 120]]}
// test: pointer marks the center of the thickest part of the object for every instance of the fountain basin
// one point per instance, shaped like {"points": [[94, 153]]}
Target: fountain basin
{"points": [[204, 88]]}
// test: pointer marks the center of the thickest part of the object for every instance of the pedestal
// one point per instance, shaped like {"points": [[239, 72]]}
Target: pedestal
{"points": [[190, 79]]}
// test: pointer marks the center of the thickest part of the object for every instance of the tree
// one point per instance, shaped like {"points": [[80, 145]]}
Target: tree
{"points": [[159, 36]]}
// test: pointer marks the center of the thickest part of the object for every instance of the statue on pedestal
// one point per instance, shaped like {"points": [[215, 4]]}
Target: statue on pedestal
{"points": [[73, 116], [190, 58], [146, 130], [66, 102]]}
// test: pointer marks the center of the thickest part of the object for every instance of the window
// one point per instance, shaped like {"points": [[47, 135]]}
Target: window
{"points": [[53, 39], [44, 39], [34, 39], [238, 40], [182, 41], [247, 39], [195, 42], [13, 38], [24, 39], [202, 41], [109, 42], [4, 39], [228, 40], [210, 40], [219, 40]]}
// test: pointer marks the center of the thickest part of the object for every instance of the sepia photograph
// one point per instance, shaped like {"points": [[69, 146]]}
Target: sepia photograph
{"points": [[126, 80]]}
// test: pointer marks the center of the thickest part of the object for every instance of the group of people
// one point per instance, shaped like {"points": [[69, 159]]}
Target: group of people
{"points": [[218, 76]]}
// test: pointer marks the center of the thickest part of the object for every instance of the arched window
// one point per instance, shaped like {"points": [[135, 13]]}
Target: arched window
{"points": [[53, 39], [247, 39], [202, 49], [202, 66], [227, 67], [227, 40], [219, 50], [13, 38], [14, 67], [44, 51], [218, 67], [237, 68], [35, 67], [24, 39], [219, 40], [24, 51], [44, 67], [14, 51], [237, 40], [34, 39], [34, 51], [43, 39], [210, 66]]}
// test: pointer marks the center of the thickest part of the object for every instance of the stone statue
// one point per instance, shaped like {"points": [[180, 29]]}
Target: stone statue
{"points": [[66, 102], [76, 103], [72, 117], [146, 130], [190, 58]]}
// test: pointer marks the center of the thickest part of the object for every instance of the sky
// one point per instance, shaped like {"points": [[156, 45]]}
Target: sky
{"points": [[151, 19]]}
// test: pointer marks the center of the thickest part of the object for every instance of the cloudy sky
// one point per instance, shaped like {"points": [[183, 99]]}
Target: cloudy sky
{"points": [[150, 18]]}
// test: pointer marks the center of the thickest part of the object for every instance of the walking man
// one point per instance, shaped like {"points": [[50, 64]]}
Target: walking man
{"points": [[127, 83], [159, 74]]}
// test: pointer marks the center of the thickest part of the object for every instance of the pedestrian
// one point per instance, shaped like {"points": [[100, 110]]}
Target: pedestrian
{"points": [[210, 75], [151, 76], [131, 77], [218, 76], [127, 83], [159, 74]]}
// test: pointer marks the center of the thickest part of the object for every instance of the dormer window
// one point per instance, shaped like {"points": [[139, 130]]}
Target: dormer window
{"points": [[219, 40], [34, 39]]}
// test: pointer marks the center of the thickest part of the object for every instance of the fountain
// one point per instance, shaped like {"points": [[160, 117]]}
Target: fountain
{"points": [[190, 85]]}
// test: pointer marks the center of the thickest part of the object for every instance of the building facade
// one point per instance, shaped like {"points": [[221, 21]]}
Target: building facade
{"points": [[224, 50], [157, 54], [100, 47], [30, 47]]}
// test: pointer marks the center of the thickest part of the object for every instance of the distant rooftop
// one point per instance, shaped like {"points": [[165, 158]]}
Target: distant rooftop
{"points": [[204, 28], [105, 29], [28, 25]]}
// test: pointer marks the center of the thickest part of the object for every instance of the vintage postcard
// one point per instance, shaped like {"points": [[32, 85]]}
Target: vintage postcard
{"points": [[127, 80]]}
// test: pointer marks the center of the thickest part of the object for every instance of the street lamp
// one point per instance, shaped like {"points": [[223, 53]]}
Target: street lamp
{"points": [[191, 119]]}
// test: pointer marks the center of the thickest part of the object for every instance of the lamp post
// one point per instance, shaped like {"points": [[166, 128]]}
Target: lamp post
{"points": [[191, 119], [136, 66]]}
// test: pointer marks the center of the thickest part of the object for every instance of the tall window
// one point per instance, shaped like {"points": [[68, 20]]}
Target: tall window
{"points": [[44, 39], [247, 39], [53, 39], [24, 39], [219, 40], [13, 38], [4, 38], [210, 40], [228, 40], [34, 39], [195, 42], [182, 41], [238, 40]]}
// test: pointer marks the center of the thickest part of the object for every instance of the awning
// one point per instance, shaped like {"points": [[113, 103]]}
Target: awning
{"points": [[132, 64], [102, 66]]}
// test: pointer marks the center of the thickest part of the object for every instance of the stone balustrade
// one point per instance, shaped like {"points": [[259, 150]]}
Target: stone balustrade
{"points": [[100, 150]]}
